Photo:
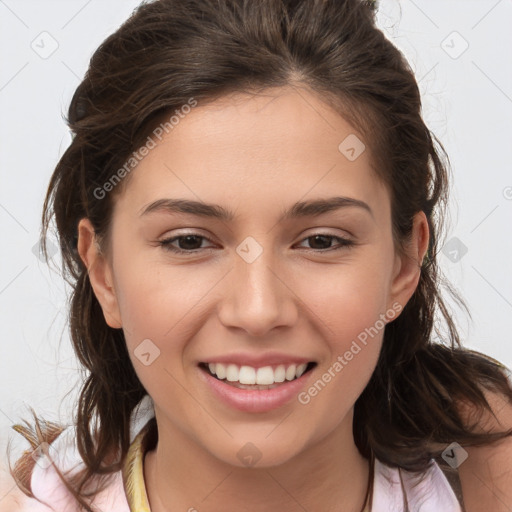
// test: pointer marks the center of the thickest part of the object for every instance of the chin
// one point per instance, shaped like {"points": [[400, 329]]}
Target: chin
{"points": [[259, 453]]}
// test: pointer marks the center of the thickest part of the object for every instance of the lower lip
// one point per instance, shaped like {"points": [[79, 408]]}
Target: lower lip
{"points": [[249, 400]]}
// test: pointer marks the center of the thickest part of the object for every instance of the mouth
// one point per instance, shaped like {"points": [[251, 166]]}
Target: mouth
{"points": [[257, 379]]}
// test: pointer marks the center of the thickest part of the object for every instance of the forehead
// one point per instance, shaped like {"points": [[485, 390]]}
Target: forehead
{"points": [[278, 122], [254, 148]]}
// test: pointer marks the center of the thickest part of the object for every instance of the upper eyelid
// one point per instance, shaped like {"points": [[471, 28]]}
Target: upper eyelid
{"points": [[173, 238], [319, 232], [191, 230], [182, 235]]}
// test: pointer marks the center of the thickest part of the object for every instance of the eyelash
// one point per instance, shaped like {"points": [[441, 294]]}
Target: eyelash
{"points": [[344, 243]]}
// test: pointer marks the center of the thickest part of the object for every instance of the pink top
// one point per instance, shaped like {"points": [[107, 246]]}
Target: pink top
{"points": [[432, 494]]}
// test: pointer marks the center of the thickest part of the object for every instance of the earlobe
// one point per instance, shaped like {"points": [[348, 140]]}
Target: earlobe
{"points": [[100, 274], [408, 266]]}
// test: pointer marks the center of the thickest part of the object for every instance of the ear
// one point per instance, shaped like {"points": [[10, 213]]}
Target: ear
{"points": [[100, 273], [407, 270]]}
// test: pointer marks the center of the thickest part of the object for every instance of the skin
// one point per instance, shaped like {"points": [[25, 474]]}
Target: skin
{"points": [[255, 155], [321, 468]]}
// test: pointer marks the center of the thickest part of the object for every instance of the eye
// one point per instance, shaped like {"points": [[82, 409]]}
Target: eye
{"points": [[191, 242], [188, 242], [324, 239]]}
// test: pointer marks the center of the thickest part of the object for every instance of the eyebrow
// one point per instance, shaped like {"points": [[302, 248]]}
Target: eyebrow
{"points": [[299, 209]]}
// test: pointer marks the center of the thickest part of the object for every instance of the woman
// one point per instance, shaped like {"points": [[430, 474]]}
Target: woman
{"points": [[285, 358]]}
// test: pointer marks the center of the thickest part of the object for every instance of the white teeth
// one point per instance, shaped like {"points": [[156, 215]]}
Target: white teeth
{"points": [[300, 369], [232, 372], [290, 372], [265, 376], [247, 375], [280, 373], [219, 370]]}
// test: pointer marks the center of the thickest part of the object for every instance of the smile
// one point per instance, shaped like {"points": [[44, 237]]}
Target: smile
{"points": [[252, 377], [282, 383]]}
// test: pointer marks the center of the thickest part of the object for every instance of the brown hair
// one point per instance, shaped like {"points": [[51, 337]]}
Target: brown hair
{"points": [[169, 51]]}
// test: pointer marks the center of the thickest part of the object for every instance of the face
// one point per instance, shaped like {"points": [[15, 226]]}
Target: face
{"points": [[269, 286]]}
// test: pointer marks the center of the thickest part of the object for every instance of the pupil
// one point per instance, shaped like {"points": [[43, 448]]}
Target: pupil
{"points": [[188, 238], [320, 237]]}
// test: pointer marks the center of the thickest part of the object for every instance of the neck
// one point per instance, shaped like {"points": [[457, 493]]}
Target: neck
{"points": [[328, 475]]}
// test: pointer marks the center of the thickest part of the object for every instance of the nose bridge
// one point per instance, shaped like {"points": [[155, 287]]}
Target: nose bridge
{"points": [[256, 299]]}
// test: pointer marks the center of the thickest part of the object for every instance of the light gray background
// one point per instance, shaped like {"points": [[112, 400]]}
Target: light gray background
{"points": [[467, 98]]}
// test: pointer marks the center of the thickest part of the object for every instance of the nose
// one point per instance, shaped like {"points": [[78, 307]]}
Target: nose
{"points": [[258, 296]]}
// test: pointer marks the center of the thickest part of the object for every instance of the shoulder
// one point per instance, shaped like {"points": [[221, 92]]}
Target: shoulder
{"points": [[13, 499], [486, 474], [17, 501], [17, 496], [45, 483], [428, 492], [50, 494]]}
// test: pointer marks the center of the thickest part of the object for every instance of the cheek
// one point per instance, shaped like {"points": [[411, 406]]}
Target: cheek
{"points": [[348, 299], [353, 330], [148, 295], [350, 308], [330, 397], [354, 315], [162, 303], [356, 327], [154, 314]]}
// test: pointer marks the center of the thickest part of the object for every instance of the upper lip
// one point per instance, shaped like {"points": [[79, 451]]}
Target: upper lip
{"points": [[257, 360]]}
